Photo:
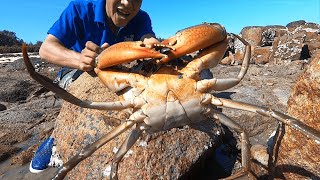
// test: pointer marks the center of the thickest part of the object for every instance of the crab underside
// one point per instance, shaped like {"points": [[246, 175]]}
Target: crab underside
{"points": [[166, 96]]}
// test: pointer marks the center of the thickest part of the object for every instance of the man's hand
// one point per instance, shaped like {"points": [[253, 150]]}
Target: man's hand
{"points": [[53, 51], [149, 39], [89, 54]]}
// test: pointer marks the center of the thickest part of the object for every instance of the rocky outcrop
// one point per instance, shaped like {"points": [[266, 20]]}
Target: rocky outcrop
{"points": [[279, 44], [166, 155], [261, 55], [291, 46], [298, 155], [292, 26], [253, 34]]}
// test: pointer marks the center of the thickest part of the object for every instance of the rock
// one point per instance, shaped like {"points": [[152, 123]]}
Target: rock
{"points": [[15, 136], [312, 40], [25, 156], [268, 37], [239, 53], [271, 32], [293, 25], [238, 56], [298, 155], [259, 161], [300, 36], [301, 24], [226, 60], [260, 154], [279, 30], [6, 151], [297, 41], [289, 47], [262, 55], [2, 107], [17, 92], [253, 34], [164, 155], [259, 36]]}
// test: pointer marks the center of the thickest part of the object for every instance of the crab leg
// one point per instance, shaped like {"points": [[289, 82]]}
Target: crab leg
{"points": [[206, 59], [65, 95], [245, 147], [223, 84], [292, 122], [124, 148], [90, 149]]}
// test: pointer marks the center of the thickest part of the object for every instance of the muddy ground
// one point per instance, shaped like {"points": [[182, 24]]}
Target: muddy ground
{"points": [[28, 111]]}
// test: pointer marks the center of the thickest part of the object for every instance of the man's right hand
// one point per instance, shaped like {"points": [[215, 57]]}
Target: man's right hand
{"points": [[89, 54], [53, 51]]}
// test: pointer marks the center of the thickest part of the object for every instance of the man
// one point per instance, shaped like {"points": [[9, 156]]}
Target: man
{"points": [[74, 41]]}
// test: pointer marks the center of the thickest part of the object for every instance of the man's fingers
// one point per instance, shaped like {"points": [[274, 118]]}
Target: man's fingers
{"points": [[105, 45], [85, 67], [89, 53], [88, 60], [93, 47]]}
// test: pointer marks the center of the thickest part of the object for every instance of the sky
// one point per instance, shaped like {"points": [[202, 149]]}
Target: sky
{"points": [[30, 20]]}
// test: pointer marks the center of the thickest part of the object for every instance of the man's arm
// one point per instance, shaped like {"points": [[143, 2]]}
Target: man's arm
{"points": [[53, 51]]}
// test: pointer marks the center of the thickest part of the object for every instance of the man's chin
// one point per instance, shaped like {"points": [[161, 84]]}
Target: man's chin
{"points": [[121, 22]]}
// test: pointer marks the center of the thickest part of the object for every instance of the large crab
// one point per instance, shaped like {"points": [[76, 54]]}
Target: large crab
{"points": [[169, 97]]}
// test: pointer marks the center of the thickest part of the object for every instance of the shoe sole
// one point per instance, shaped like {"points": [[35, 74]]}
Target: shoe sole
{"points": [[35, 171]]}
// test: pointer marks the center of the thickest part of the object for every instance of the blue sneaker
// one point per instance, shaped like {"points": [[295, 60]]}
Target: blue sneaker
{"points": [[41, 158]]}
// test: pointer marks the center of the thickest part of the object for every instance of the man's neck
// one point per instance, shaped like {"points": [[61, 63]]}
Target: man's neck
{"points": [[112, 26]]}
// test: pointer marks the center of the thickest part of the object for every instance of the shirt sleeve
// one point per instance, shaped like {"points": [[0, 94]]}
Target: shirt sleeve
{"points": [[65, 27], [143, 25]]}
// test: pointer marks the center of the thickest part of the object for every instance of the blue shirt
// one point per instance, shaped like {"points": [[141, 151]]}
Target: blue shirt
{"points": [[86, 20]]}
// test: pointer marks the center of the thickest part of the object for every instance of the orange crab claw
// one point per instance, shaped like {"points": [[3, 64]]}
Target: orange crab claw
{"points": [[194, 38], [125, 52]]}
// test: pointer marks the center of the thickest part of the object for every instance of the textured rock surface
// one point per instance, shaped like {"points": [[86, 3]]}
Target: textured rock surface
{"points": [[297, 41], [299, 156], [253, 34], [262, 55], [292, 26], [165, 155]]}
